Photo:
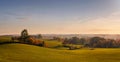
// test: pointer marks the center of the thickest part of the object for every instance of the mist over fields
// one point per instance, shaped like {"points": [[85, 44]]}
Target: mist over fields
{"points": [[50, 36], [107, 36]]}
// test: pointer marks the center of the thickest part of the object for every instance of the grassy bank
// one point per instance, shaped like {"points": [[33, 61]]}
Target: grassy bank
{"points": [[30, 53]]}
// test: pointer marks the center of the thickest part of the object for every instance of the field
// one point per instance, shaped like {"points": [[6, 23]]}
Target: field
{"points": [[5, 39], [29, 53]]}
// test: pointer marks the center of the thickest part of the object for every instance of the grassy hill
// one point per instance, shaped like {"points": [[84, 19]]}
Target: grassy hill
{"points": [[30, 53]]}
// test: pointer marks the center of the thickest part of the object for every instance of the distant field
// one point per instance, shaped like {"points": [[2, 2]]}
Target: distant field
{"points": [[5, 38], [30, 53], [52, 43]]}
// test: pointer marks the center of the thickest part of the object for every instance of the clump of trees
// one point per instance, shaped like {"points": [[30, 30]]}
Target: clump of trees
{"points": [[40, 36], [104, 43], [94, 42], [58, 39], [74, 40], [70, 43], [27, 39], [34, 41]]}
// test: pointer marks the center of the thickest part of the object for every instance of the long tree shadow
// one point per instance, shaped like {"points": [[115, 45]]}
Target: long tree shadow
{"points": [[8, 42]]}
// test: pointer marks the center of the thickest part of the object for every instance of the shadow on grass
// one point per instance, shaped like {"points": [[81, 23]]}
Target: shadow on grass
{"points": [[8, 42]]}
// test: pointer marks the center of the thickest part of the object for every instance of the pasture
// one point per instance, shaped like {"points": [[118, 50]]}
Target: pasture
{"points": [[30, 53], [54, 53]]}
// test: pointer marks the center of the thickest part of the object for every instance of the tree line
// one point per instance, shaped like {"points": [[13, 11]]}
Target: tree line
{"points": [[94, 42]]}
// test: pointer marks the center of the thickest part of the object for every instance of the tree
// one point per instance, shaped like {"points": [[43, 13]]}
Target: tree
{"points": [[95, 41], [74, 40], [82, 41], [24, 35], [39, 36]]}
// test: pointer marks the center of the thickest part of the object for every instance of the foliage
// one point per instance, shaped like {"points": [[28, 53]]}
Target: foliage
{"points": [[24, 35], [97, 42], [39, 36]]}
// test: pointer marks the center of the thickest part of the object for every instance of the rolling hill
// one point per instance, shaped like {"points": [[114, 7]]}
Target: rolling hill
{"points": [[30, 53]]}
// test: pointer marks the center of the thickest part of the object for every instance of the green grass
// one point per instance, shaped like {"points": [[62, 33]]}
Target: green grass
{"points": [[55, 53], [5, 38], [30, 53], [53, 43]]}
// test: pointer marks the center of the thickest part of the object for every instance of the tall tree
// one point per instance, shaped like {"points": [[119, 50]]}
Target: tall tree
{"points": [[24, 35]]}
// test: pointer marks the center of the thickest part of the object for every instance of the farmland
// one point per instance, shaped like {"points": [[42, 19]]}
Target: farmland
{"points": [[29, 53]]}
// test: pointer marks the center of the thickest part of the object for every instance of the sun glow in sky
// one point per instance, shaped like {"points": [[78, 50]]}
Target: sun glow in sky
{"points": [[60, 16]]}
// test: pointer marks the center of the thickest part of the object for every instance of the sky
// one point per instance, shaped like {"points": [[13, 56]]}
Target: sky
{"points": [[60, 16]]}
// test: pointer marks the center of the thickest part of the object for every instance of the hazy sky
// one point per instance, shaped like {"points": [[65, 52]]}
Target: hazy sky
{"points": [[60, 16]]}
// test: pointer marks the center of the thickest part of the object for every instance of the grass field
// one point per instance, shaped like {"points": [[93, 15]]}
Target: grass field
{"points": [[30, 53], [5, 38], [55, 53], [52, 43]]}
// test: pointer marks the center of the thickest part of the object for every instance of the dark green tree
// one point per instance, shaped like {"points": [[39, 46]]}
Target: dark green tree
{"points": [[82, 41], [39, 36], [96, 41], [74, 40], [24, 35]]}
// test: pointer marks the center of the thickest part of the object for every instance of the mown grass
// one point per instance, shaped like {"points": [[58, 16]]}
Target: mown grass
{"points": [[30, 53]]}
